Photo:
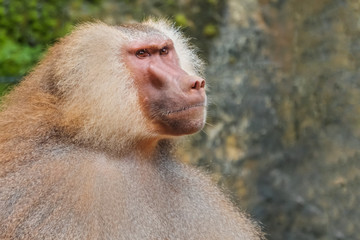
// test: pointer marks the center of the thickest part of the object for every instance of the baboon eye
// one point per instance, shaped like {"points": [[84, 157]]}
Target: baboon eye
{"points": [[142, 53], [164, 51]]}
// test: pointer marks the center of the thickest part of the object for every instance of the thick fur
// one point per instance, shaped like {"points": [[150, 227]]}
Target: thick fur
{"points": [[71, 165]]}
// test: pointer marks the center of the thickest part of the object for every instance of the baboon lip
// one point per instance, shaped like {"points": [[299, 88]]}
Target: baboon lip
{"points": [[185, 108]]}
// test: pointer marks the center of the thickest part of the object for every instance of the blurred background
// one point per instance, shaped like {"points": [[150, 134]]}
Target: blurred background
{"points": [[283, 132]]}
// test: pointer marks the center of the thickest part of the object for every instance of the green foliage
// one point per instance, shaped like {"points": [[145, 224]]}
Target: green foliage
{"points": [[33, 22], [210, 30], [181, 20], [28, 27], [213, 2], [16, 59]]}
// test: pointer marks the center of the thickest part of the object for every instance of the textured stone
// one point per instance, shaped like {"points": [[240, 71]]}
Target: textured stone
{"points": [[283, 131]]}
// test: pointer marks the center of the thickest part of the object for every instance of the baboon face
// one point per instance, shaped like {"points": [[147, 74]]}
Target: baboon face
{"points": [[173, 101]]}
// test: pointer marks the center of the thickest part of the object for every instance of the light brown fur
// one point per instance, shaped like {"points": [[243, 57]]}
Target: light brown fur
{"points": [[78, 156]]}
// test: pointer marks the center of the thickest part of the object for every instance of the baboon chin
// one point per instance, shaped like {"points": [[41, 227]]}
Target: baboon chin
{"points": [[87, 137]]}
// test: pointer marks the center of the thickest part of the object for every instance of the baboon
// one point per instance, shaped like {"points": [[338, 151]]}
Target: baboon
{"points": [[87, 142]]}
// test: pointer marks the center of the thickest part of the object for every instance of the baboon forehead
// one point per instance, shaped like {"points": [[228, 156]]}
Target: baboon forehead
{"points": [[137, 27], [137, 31]]}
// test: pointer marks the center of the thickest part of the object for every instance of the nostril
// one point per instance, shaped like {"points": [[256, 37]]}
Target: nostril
{"points": [[196, 85]]}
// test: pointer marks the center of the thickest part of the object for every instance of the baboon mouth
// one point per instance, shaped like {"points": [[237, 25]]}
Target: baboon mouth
{"points": [[185, 108]]}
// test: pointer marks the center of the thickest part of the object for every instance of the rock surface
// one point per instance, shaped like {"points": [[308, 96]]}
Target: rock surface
{"points": [[283, 130]]}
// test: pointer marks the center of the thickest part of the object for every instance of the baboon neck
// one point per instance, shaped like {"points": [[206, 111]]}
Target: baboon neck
{"points": [[156, 150]]}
